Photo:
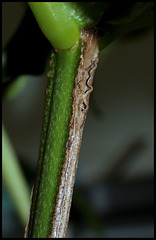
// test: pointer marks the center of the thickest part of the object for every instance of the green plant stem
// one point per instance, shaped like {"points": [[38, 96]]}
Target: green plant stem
{"points": [[58, 109], [13, 178]]}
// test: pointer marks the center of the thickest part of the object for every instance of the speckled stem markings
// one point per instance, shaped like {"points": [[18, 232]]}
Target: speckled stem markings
{"points": [[81, 93]]}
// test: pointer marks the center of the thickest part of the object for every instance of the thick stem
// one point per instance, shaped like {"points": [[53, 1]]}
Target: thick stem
{"points": [[81, 93], [55, 130], [65, 113]]}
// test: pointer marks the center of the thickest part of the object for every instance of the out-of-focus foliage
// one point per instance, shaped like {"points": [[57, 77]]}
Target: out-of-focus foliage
{"points": [[121, 20]]}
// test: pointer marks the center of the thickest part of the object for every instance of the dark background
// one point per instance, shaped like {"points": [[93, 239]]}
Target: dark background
{"points": [[113, 194]]}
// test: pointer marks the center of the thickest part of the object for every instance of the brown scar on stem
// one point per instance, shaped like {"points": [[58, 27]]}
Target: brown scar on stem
{"points": [[46, 91], [56, 50], [48, 75], [50, 63], [27, 225], [81, 93]]}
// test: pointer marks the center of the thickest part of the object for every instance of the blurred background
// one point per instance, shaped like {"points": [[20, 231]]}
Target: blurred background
{"points": [[114, 189]]}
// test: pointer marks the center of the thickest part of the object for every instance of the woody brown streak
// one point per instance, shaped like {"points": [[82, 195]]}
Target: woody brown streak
{"points": [[81, 93]]}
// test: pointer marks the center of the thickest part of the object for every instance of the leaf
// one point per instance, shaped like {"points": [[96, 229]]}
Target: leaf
{"points": [[110, 32]]}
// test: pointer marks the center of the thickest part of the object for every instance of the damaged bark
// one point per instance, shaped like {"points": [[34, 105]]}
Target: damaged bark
{"points": [[80, 104], [81, 93]]}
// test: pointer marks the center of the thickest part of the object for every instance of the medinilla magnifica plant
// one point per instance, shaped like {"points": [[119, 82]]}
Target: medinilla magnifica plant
{"points": [[78, 33]]}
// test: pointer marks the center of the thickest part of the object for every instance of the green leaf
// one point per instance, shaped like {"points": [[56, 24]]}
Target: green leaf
{"points": [[13, 178], [15, 87], [112, 32]]}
